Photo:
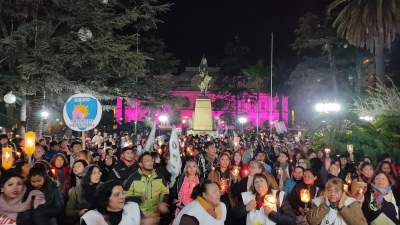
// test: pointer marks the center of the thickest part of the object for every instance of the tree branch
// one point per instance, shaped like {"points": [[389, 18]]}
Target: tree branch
{"points": [[4, 58]]}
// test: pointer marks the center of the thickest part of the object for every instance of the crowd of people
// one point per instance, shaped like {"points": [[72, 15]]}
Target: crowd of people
{"points": [[248, 179]]}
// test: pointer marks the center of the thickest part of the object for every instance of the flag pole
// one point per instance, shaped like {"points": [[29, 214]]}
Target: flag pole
{"points": [[272, 61]]}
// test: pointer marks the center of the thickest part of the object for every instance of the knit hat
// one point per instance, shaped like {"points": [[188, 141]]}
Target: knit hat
{"points": [[86, 170]]}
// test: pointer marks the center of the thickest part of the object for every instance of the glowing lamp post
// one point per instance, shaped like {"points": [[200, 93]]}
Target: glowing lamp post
{"points": [[7, 159], [30, 144], [327, 107], [9, 98], [44, 114], [367, 118], [163, 118], [242, 120], [269, 200], [305, 196]]}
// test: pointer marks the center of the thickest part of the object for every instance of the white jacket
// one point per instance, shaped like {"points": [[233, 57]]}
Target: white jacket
{"points": [[196, 210], [258, 216], [130, 216]]}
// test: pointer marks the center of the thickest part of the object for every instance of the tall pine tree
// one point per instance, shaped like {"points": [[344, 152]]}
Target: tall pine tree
{"points": [[60, 47]]}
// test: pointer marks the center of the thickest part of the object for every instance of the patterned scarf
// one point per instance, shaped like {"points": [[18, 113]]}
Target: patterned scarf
{"points": [[379, 193]]}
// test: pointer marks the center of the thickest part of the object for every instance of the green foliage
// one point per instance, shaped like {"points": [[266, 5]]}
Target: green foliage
{"points": [[161, 62], [41, 50], [369, 139], [258, 73], [361, 22], [314, 31], [231, 80]]}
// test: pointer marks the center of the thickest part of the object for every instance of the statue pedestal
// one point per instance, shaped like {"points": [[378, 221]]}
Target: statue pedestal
{"points": [[202, 121]]}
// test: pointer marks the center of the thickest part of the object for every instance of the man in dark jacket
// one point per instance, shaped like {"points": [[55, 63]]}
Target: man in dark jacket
{"points": [[208, 160], [125, 167]]}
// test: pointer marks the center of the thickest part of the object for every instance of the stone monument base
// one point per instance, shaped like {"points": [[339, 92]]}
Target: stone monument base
{"points": [[202, 119]]}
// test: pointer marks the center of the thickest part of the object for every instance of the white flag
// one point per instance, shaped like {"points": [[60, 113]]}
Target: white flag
{"points": [[150, 139], [175, 163]]}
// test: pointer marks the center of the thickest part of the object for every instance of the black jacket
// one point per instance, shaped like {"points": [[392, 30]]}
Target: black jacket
{"points": [[294, 197], [238, 188], [33, 216], [120, 171]]}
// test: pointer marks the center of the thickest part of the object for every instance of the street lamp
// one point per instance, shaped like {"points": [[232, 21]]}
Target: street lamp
{"points": [[327, 107], [9, 98], [367, 118], [163, 118], [242, 120], [44, 114]]}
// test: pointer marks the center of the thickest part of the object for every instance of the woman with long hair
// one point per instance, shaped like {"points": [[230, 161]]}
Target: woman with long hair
{"points": [[277, 210], [239, 164], [38, 179], [183, 187], [282, 169], [60, 167], [206, 209], [82, 196], [222, 175], [386, 167]]}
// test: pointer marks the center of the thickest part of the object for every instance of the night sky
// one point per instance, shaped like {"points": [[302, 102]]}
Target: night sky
{"points": [[194, 27]]}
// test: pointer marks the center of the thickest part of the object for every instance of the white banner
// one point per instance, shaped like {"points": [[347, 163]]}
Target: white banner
{"points": [[175, 163], [150, 139]]}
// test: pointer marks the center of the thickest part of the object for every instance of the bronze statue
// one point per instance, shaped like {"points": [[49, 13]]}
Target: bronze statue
{"points": [[205, 78]]}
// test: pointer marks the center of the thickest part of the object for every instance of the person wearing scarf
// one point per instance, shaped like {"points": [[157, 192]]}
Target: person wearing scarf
{"points": [[59, 165], [297, 178], [259, 212], [13, 210], [282, 170], [335, 207], [380, 205], [206, 209]]}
